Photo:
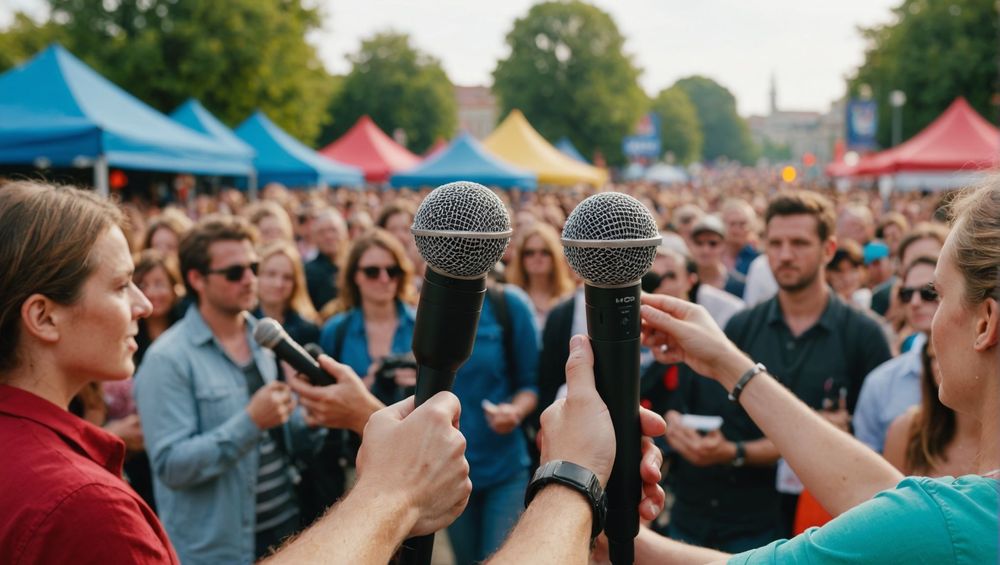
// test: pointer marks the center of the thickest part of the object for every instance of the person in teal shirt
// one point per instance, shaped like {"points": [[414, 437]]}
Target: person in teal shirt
{"points": [[880, 515]]}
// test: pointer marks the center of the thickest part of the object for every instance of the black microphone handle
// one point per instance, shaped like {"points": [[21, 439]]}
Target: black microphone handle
{"points": [[292, 353], [613, 325], [443, 336]]}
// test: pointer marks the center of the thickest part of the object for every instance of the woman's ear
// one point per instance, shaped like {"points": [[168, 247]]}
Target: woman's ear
{"points": [[41, 318], [988, 325]]}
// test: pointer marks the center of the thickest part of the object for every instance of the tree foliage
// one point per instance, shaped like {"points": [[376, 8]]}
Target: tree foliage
{"points": [[233, 56], [568, 72], [680, 129], [399, 87], [934, 52], [726, 133]]}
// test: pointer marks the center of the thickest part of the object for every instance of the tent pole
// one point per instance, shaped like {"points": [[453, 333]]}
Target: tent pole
{"points": [[101, 176], [252, 185]]}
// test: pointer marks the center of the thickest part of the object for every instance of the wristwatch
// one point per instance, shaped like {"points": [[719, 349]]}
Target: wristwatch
{"points": [[741, 455], [577, 478]]}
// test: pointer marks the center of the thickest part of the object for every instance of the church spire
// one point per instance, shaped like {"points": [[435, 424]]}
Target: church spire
{"points": [[774, 94]]}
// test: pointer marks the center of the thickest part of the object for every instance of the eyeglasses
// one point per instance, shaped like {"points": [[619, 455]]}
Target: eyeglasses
{"points": [[373, 272], [532, 252], [234, 273], [927, 293]]}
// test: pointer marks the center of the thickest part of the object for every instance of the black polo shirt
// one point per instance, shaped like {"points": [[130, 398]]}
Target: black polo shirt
{"points": [[845, 344]]}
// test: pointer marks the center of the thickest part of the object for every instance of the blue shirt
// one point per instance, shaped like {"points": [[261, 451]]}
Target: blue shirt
{"points": [[934, 521], [887, 392], [494, 458], [202, 443], [353, 351]]}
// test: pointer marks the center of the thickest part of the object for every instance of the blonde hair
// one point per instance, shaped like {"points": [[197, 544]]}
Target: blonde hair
{"points": [[559, 278], [976, 237], [262, 209], [300, 301]]}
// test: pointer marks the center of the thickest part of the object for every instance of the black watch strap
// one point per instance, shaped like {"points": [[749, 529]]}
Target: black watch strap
{"points": [[577, 478]]}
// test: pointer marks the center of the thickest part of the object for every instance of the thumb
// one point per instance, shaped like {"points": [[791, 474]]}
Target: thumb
{"points": [[338, 371], [401, 409], [660, 320], [580, 368]]}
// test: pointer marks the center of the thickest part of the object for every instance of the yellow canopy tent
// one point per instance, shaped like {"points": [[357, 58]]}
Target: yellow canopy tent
{"points": [[516, 142]]}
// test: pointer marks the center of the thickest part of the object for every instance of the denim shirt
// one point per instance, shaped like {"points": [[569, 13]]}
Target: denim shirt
{"points": [[202, 443], [354, 349]]}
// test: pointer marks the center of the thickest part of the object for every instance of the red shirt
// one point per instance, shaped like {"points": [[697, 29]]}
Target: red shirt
{"points": [[62, 497]]}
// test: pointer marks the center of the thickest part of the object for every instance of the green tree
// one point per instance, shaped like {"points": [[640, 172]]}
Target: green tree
{"points": [[934, 52], [680, 129], [726, 133], [568, 72], [399, 87], [233, 56]]}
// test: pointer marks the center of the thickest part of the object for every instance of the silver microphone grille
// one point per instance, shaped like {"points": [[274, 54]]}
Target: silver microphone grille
{"points": [[610, 239], [462, 229], [268, 333]]}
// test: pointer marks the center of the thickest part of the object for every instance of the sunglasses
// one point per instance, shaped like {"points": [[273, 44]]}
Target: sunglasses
{"points": [[927, 294], [234, 273], [373, 272], [533, 252]]}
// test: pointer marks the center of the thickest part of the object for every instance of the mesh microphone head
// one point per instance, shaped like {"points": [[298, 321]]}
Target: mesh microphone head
{"points": [[610, 239], [268, 333], [462, 229]]}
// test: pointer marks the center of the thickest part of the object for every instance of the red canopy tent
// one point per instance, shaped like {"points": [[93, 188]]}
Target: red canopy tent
{"points": [[367, 147], [958, 140]]}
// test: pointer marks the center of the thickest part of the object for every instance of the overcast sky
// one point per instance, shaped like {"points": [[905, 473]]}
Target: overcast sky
{"points": [[809, 45]]}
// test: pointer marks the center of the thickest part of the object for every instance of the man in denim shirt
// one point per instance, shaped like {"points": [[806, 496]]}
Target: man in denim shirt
{"points": [[218, 427]]}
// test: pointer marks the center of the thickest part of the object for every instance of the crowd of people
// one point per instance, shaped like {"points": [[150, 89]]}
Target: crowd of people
{"points": [[840, 297]]}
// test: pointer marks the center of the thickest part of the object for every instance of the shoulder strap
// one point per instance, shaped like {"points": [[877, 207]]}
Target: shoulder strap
{"points": [[498, 298]]}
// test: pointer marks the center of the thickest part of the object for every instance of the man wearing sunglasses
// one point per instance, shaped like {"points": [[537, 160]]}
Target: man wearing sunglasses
{"points": [[219, 427]]}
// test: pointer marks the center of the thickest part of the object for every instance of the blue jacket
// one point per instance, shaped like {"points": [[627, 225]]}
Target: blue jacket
{"points": [[353, 351], [494, 458], [202, 443]]}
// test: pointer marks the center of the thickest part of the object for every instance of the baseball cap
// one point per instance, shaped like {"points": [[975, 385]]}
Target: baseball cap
{"points": [[874, 251]]}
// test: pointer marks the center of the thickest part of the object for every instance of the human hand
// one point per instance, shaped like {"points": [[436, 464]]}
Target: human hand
{"points": [[344, 404], [417, 456], [502, 418], [129, 429], [405, 377], [271, 405], [699, 450], [681, 332], [578, 428], [838, 416]]}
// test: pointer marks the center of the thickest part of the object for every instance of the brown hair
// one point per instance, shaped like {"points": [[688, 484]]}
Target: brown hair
{"points": [[933, 427], [46, 236], [193, 250], [976, 240], [923, 230], [257, 211], [393, 208], [148, 260], [559, 278], [171, 219], [350, 294], [300, 301], [891, 219], [792, 203]]}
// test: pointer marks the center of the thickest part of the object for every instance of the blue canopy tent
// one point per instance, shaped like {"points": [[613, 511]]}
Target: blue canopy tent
{"points": [[567, 148], [55, 110], [193, 115], [465, 159], [282, 158]]}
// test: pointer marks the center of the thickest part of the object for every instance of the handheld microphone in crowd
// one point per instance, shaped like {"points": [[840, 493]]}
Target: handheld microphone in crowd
{"points": [[271, 335], [461, 230], [610, 240]]}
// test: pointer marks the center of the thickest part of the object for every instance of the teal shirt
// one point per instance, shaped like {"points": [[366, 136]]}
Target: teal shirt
{"points": [[934, 521]]}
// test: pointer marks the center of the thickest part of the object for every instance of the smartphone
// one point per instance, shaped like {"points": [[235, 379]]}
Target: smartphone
{"points": [[701, 423]]}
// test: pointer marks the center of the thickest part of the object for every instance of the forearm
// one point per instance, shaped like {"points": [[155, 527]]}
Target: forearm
{"points": [[365, 527], [525, 403], [654, 549], [761, 452], [837, 469], [555, 528]]}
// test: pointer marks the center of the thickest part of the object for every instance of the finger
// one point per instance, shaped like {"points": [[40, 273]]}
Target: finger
{"points": [[401, 409], [446, 403], [661, 321], [669, 305], [580, 368], [652, 460], [338, 371], [651, 423]]}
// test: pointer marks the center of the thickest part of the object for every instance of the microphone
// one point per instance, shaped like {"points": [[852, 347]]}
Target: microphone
{"points": [[461, 230], [269, 333], [610, 240]]}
